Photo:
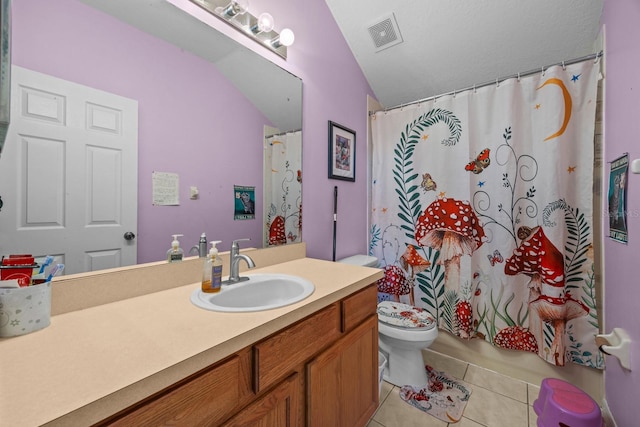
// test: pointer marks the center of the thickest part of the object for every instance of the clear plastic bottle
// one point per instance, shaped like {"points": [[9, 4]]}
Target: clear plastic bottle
{"points": [[176, 253], [202, 246], [212, 271]]}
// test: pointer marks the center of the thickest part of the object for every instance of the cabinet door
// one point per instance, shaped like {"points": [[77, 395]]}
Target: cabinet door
{"points": [[342, 382], [203, 400], [278, 407]]}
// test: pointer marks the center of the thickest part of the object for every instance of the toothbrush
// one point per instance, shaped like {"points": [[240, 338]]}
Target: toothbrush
{"points": [[48, 260], [55, 270]]}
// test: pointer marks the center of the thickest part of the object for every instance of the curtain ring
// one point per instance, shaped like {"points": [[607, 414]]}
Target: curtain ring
{"points": [[563, 66], [542, 68], [518, 76], [474, 88], [497, 83], [598, 55], [454, 93]]}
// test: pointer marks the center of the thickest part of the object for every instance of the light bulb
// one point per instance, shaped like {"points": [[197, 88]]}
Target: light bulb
{"points": [[236, 7], [263, 24], [286, 37]]}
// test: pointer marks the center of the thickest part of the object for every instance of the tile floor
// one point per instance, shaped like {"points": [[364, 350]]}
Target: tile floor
{"points": [[496, 400]]}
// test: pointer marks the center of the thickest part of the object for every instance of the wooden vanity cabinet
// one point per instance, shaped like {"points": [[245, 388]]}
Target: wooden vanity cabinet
{"points": [[320, 371], [342, 381], [342, 385], [206, 398], [278, 407]]}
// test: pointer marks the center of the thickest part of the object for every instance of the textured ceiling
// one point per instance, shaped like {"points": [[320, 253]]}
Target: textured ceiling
{"points": [[453, 44]]}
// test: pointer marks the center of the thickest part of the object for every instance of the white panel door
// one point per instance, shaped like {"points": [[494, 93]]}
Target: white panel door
{"points": [[69, 174]]}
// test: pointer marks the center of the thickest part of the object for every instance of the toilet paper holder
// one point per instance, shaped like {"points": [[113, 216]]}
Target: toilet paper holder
{"points": [[616, 344]]}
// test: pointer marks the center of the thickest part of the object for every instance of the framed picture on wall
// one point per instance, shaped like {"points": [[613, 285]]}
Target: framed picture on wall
{"points": [[342, 152], [617, 198]]}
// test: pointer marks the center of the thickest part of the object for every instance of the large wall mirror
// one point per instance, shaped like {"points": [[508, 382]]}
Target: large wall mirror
{"points": [[211, 117]]}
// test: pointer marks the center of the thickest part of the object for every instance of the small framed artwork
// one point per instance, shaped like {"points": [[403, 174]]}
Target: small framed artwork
{"points": [[342, 152]]}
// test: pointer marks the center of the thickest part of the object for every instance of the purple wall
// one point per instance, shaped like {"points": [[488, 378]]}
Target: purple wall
{"points": [[183, 101], [334, 88], [622, 127]]}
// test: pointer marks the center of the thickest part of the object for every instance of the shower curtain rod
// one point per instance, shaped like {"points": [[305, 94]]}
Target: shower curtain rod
{"points": [[283, 133], [497, 81]]}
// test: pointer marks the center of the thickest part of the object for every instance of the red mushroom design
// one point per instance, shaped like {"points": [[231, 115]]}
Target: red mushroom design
{"points": [[558, 311], [452, 227], [394, 282], [277, 235], [516, 338], [413, 260], [539, 259]]}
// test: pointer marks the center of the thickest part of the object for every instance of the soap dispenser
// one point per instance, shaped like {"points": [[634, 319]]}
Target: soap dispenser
{"points": [[212, 271], [176, 253]]}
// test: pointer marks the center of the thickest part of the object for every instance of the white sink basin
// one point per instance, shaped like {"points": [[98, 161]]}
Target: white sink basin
{"points": [[260, 292]]}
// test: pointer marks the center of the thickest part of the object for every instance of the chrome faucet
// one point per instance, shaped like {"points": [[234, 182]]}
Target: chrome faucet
{"points": [[234, 260]]}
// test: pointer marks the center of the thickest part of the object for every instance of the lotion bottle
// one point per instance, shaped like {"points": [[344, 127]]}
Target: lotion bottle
{"points": [[212, 271], [176, 253]]}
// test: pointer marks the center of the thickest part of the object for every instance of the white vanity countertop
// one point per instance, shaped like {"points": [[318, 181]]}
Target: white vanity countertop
{"points": [[91, 363]]}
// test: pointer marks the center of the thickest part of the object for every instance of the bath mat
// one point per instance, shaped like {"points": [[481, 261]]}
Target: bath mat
{"points": [[444, 397]]}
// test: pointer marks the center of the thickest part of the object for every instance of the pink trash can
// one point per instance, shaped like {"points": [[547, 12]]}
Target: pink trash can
{"points": [[562, 404]]}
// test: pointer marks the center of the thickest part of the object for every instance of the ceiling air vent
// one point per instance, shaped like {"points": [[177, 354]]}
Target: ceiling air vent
{"points": [[385, 33]]}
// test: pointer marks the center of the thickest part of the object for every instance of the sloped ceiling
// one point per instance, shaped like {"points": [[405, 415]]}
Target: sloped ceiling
{"points": [[453, 44], [274, 91]]}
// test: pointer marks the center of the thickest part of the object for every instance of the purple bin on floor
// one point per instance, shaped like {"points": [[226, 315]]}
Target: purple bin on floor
{"points": [[562, 404]]}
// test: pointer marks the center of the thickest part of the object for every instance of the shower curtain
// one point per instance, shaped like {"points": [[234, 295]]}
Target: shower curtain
{"points": [[482, 212], [283, 188]]}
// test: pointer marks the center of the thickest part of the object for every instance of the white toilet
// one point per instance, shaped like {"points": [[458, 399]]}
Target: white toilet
{"points": [[403, 331]]}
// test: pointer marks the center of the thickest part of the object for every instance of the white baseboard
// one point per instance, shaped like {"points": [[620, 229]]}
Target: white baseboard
{"points": [[607, 416]]}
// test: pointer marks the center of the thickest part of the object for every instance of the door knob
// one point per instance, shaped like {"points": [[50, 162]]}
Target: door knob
{"points": [[129, 235]]}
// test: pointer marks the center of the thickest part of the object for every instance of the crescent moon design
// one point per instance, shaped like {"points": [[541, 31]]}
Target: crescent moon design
{"points": [[567, 105]]}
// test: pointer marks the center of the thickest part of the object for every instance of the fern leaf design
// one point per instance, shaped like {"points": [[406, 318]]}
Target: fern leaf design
{"points": [[403, 172], [576, 247], [447, 320], [549, 209]]}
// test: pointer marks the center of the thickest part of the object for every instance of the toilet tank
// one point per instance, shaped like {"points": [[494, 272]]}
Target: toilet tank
{"points": [[361, 260]]}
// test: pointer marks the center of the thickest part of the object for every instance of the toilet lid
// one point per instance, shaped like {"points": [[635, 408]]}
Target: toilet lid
{"points": [[404, 315]]}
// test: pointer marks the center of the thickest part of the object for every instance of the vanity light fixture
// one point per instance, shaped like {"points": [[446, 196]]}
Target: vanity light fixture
{"points": [[259, 29]]}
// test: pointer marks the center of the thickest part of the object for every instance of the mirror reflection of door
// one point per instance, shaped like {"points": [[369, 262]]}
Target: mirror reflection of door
{"points": [[85, 141]]}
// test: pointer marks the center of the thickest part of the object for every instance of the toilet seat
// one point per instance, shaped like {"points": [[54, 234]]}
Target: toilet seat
{"points": [[405, 322], [404, 316]]}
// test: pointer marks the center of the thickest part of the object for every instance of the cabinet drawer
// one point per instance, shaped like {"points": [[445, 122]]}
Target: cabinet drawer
{"points": [[357, 307], [280, 354], [205, 399]]}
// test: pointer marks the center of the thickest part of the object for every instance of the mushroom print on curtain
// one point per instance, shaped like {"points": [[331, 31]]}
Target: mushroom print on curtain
{"points": [[283, 189], [482, 212]]}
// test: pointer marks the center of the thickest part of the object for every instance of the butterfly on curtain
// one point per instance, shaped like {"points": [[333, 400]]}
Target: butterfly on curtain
{"points": [[428, 184], [496, 257], [479, 163], [292, 236]]}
